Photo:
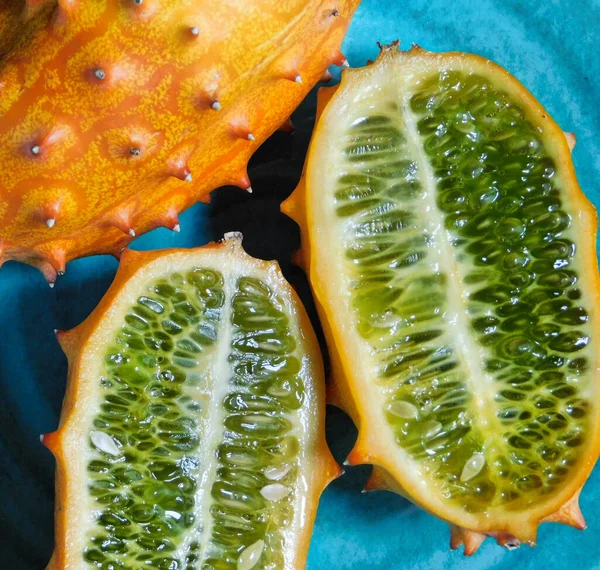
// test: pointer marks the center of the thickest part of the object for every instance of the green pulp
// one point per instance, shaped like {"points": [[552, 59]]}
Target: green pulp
{"points": [[453, 212], [156, 396]]}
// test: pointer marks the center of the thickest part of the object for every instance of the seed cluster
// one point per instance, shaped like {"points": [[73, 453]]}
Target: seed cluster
{"points": [[145, 492], [255, 483], [145, 471], [499, 197]]}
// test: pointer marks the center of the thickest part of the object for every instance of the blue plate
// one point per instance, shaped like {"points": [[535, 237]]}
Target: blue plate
{"points": [[552, 47]]}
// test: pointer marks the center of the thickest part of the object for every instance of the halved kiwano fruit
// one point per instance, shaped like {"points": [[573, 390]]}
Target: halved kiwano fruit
{"points": [[192, 433], [452, 257]]}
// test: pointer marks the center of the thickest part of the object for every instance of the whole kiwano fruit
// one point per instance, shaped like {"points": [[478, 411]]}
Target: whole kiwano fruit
{"points": [[115, 115]]}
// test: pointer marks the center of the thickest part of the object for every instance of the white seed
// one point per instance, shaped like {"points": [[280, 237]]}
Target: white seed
{"points": [[35, 149], [50, 222], [472, 467], [345, 63], [277, 473], [195, 30], [250, 137], [216, 106], [99, 74], [188, 177], [274, 492], [176, 228], [432, 428], [131, 232], [42, 438], [251, 555], [51, 285], [249, 189], [105, 443], [403, 409], [298, 79]]}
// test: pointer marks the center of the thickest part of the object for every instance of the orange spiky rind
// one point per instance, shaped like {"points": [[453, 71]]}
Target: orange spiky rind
{"points": [[85, 342], [117, 130], [343, 392], [287, 126], [51, 441], [377, 481], [569, 514], [470, 540], [69, 341]]}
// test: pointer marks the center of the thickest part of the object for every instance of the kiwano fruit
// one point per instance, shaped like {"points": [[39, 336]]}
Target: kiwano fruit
{"points": [[115, 115], [452, 256], [192, 432]]}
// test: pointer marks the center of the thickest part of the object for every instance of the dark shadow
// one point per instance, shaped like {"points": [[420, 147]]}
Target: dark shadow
{"points": [[33, 371]]}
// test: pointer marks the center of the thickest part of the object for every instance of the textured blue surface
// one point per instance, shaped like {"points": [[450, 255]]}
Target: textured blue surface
{"points": [[552, 47]]}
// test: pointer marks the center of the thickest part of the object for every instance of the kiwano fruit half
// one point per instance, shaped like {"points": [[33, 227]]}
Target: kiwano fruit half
{"points": [[192, 432], [116, 115], [452, 256]]}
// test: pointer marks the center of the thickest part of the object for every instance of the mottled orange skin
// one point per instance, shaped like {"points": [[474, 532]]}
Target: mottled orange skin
{"points": [[106, 106], [341, 391]]}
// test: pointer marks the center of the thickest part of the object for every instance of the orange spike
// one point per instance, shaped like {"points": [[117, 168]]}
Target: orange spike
{"points": [[51, 441], [68, 341], [170, 220], [506, 540], [293, 75], [242, 131], [470, 539], [326, 77], [179, 168], [290, 206], [47, 270], [204, 198], [244, 183], [339, 59], [571, 140], [358, 455], [287, 126], [57, 259], [50, 213], [569, 514], [122, 222], [377, 481]]}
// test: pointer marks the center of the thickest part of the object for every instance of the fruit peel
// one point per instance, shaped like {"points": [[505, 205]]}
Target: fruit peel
{"points": [[115, 117]]}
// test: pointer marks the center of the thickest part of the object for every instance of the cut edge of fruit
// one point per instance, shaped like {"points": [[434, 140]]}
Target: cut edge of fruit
{"points": [[137, 268], [564, 507]]}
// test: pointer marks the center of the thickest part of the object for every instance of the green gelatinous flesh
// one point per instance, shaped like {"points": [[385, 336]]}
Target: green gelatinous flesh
{"points": [[192, 465], [463, 272]]}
